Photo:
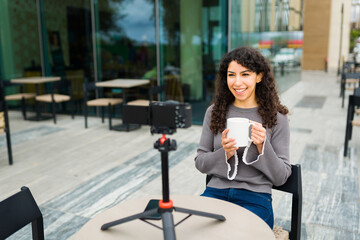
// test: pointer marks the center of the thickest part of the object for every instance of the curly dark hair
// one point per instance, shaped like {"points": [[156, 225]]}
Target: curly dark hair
{"points": [[265, 92]]}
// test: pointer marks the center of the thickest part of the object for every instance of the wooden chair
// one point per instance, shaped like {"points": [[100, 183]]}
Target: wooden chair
{"points": [[19, 210], [353, 108], [98, 102], [4, 122], [349, 81], [21, 96], [294, 186], [60, 93]]}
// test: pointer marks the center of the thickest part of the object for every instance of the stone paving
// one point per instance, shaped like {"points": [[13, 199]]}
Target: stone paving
{"points": [[75, 173]]}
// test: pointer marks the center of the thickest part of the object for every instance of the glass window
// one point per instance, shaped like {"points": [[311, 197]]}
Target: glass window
{"points": [[274, 27], [127, 39], [20, 48], [193, 38], [68, 44]]}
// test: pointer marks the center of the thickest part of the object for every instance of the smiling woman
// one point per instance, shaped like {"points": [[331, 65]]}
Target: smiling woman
{"points": [[246, 89]]}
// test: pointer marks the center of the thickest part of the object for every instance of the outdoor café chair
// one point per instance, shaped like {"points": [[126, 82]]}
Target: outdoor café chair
{"points": [[353, 108], [20, 96], [154, 90], [294, 186], [61, 92], [349, 81], [90, 100], [4, 122], [18, 211]]}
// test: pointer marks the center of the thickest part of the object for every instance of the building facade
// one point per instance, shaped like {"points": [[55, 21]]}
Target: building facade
{"points": [[174, 42], [326, 34]]}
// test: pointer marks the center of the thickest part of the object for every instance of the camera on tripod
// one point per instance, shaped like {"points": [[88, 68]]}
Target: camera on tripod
{"points": [[163, 117]]}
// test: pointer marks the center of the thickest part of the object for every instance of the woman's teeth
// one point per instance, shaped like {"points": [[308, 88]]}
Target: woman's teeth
{"points": [[240, 90]]}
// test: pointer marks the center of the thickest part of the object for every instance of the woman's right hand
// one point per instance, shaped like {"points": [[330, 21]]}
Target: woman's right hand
{"points": [[228, 144]]}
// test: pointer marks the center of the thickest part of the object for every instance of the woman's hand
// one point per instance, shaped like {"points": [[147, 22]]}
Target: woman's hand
{"points": [[258, 134], [228, 144]]}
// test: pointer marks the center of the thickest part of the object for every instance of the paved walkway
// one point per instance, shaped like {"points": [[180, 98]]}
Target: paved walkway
{"points": [[74, 173]]}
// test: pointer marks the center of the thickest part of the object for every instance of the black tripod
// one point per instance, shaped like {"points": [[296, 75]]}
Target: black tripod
{"points": [[164, 145]]}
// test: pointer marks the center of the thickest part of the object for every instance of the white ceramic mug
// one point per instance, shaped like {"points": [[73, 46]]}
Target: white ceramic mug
{"points": [[239, 130]]}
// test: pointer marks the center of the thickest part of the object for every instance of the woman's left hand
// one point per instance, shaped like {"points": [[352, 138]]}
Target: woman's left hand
{"points": [[258, 134]]}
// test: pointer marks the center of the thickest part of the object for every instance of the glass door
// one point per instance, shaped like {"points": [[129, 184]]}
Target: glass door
{"points": [[68, 37]]}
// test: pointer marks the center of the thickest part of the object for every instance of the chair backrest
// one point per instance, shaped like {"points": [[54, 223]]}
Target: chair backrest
{"points": [[294, 186], [19, 210], [91, 91], [347, 67], [2, 97], [354, 101], [2, 108], [8, 84], [156, 90], [351, 75], [357, 91], [63, 86], [4, 121]]}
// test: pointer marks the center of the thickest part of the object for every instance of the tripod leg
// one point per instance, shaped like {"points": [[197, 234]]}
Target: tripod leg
{"points": [[199, 213], [129, 218], [168, 225]]}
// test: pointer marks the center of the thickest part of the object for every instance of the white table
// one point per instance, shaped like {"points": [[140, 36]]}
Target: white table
{"points": [[240, 223], [123, 84], [36, 81]]}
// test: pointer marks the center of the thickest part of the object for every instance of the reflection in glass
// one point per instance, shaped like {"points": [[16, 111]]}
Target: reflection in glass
{"points": [[193, 38], [127, 39], [274, 27], [68, 28], [20, 49]]}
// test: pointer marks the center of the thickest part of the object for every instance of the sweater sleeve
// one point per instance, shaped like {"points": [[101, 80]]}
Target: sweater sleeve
{"points": [[208, 160], [274, 161]]}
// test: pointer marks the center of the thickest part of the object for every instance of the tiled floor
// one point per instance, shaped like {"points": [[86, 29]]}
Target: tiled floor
{"points": [[75, 173]]}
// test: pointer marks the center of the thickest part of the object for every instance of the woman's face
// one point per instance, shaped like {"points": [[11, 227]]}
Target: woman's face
{"points": [[242, 82]]}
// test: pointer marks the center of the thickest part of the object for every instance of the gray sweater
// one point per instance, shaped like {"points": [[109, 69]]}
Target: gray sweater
{"points": [[254, 172]]}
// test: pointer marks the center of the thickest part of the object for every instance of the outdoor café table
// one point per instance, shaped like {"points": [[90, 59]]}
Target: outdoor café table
{"points": [[36, 81], [123, 84], [239, 224]]}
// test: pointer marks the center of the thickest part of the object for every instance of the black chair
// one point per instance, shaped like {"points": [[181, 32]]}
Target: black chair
{"points": [[90, 100], [138, 109], [20, 96], [354, 104], [348, 78], [61, 92], [294, 186], [4, 122], [154, 90], [19, 210]]}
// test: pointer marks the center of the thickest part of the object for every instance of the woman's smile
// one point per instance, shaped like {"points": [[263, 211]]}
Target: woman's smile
{"points": [[240, 91]]}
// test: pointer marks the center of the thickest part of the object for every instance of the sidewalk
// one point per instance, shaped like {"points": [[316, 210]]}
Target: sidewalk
{"points": [[74, 173]]}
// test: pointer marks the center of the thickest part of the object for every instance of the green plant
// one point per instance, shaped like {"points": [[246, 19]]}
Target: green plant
{"points": [[354, 34]]}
